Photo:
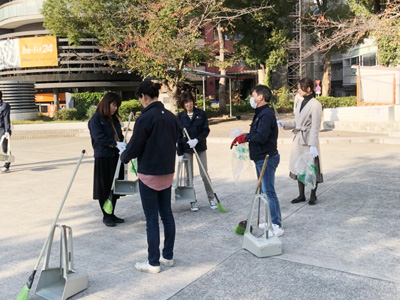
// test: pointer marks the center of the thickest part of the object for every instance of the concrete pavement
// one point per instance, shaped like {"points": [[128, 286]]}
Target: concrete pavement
{"points": [[345, 247]]}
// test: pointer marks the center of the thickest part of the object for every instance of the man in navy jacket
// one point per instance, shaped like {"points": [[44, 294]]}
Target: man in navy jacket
{"points": [[262, 140]]}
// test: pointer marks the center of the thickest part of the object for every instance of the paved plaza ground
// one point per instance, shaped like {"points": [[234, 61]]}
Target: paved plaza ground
{"points": [[345, 247]]}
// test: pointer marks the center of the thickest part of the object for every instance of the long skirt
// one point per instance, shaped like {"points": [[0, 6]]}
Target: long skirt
{"points": [[104, 170]]}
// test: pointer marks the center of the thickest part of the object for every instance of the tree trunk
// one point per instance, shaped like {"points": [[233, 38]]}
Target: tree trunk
{"points": [[261, 74], [326, 76], [172, 91], [222, 81]]}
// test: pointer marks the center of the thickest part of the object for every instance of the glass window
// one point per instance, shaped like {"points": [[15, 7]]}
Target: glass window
{"points": [[355, 61], [369, 60]]}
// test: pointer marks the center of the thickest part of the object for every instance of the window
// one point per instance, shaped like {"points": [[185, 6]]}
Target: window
{"points": [[355, 61], [369, 60]]}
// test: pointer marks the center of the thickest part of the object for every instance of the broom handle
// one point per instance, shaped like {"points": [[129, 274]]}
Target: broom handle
{"points": [[199, 161], [59, 211], [119, 159]]}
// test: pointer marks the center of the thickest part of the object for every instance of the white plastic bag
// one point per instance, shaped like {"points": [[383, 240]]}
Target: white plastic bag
{"points": [[240, 156], [306, 171]]}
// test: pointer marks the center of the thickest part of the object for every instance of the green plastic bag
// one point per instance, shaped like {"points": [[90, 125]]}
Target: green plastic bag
{"points": [[306, 171]]}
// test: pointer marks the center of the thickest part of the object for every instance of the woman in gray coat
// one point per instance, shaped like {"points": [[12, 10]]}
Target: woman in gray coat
{"points": [[306, 126]]}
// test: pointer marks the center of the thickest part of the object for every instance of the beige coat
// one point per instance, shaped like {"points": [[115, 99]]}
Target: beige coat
{"points": [[305, 126]]}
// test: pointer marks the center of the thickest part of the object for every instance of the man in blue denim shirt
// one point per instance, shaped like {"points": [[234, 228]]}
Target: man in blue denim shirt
{"points": [[262, 140]]}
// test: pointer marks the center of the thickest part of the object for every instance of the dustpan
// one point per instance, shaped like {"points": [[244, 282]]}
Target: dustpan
{"points": [[182, 189], [64, 281], [124, 186], [6, 156], [264, 245]]}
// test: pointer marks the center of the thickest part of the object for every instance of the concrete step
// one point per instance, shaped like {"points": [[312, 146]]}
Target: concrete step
{"points": [[394, 133], [370, 127]]}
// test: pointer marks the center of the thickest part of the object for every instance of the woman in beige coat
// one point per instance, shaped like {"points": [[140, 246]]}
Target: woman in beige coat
{"points": [[305, 134]]}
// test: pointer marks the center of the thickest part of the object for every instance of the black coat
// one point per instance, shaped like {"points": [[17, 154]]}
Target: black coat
{"points": [[5, 125], [263, 134], [153, 141], [102, 135], [197, 128]]}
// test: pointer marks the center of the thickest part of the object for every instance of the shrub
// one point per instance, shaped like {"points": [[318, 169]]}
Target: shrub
{"points": [[66, 114], [282, 100], [333, 102], [127, 107], [83, 101], [90, 111]]}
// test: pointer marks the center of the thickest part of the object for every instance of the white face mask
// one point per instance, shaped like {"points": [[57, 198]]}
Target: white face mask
{"points": [[253, 104]]}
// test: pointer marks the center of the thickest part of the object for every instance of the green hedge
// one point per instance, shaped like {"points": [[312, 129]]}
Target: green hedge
{"points": [[83, 101], [66, 114], [127, 107], [333, 102]]}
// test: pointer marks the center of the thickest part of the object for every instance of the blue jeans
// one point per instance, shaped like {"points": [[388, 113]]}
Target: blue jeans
{"points": [[268, 186], [154, 203]]}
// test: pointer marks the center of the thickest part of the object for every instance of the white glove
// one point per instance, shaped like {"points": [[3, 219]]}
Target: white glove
{"points": [[121, 147], [314, 151], [280, 123], [193, 143], [7, 135], [180, 158]]}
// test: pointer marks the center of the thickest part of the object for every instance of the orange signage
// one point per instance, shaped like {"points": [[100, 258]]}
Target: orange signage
{"points": [[49, 97], [38, 52]]}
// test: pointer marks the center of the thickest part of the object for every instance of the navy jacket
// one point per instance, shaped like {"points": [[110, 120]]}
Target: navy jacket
{"points": [[153, 141], [197, 128], [263, 134], [102, 135], [5, 125]]}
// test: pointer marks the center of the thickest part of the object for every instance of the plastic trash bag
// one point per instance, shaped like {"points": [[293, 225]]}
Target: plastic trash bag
{"points": [[240, 156], [306, 171]]}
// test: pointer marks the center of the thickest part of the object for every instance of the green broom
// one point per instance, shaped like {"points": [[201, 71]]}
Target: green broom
{"points": [[24, 293], [241, 227], [108, 205], [219, 205]]}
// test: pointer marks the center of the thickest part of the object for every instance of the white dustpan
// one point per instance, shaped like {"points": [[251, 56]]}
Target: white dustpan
{"points": [[62, 282], [182, 190], [265, 245], [8, 157]]}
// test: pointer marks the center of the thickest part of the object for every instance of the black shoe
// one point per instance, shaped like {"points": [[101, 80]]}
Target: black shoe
{"points": [[116, 219], [108, 221], [313, 201], [298, 200]]}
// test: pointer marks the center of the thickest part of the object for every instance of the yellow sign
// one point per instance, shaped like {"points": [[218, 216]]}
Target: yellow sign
{"points": [[38, 52]]}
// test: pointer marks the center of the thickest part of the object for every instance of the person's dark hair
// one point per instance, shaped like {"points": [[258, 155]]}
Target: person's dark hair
{"points": [[263, 90], [104, 106], [148, 88], [306, 83], [186, 96], [1, 95]]}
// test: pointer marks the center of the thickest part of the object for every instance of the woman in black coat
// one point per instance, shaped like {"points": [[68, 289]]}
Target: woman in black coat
{"points": [[196, 123], [106, 136]]}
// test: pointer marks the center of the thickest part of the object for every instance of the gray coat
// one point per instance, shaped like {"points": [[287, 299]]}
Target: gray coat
{"points": [[305, 126]]}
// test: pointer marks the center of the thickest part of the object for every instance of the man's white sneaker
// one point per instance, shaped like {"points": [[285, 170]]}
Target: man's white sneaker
{"points": [[262, 225], [146, 267], [213, 205], [166, 262], [4, 170], [278, 231], [193, 206]]}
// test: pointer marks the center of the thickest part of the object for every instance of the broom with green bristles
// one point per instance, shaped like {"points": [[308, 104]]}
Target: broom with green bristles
{"points": [[219, 205], [108, 206], [24, 293], [241, 227]]}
